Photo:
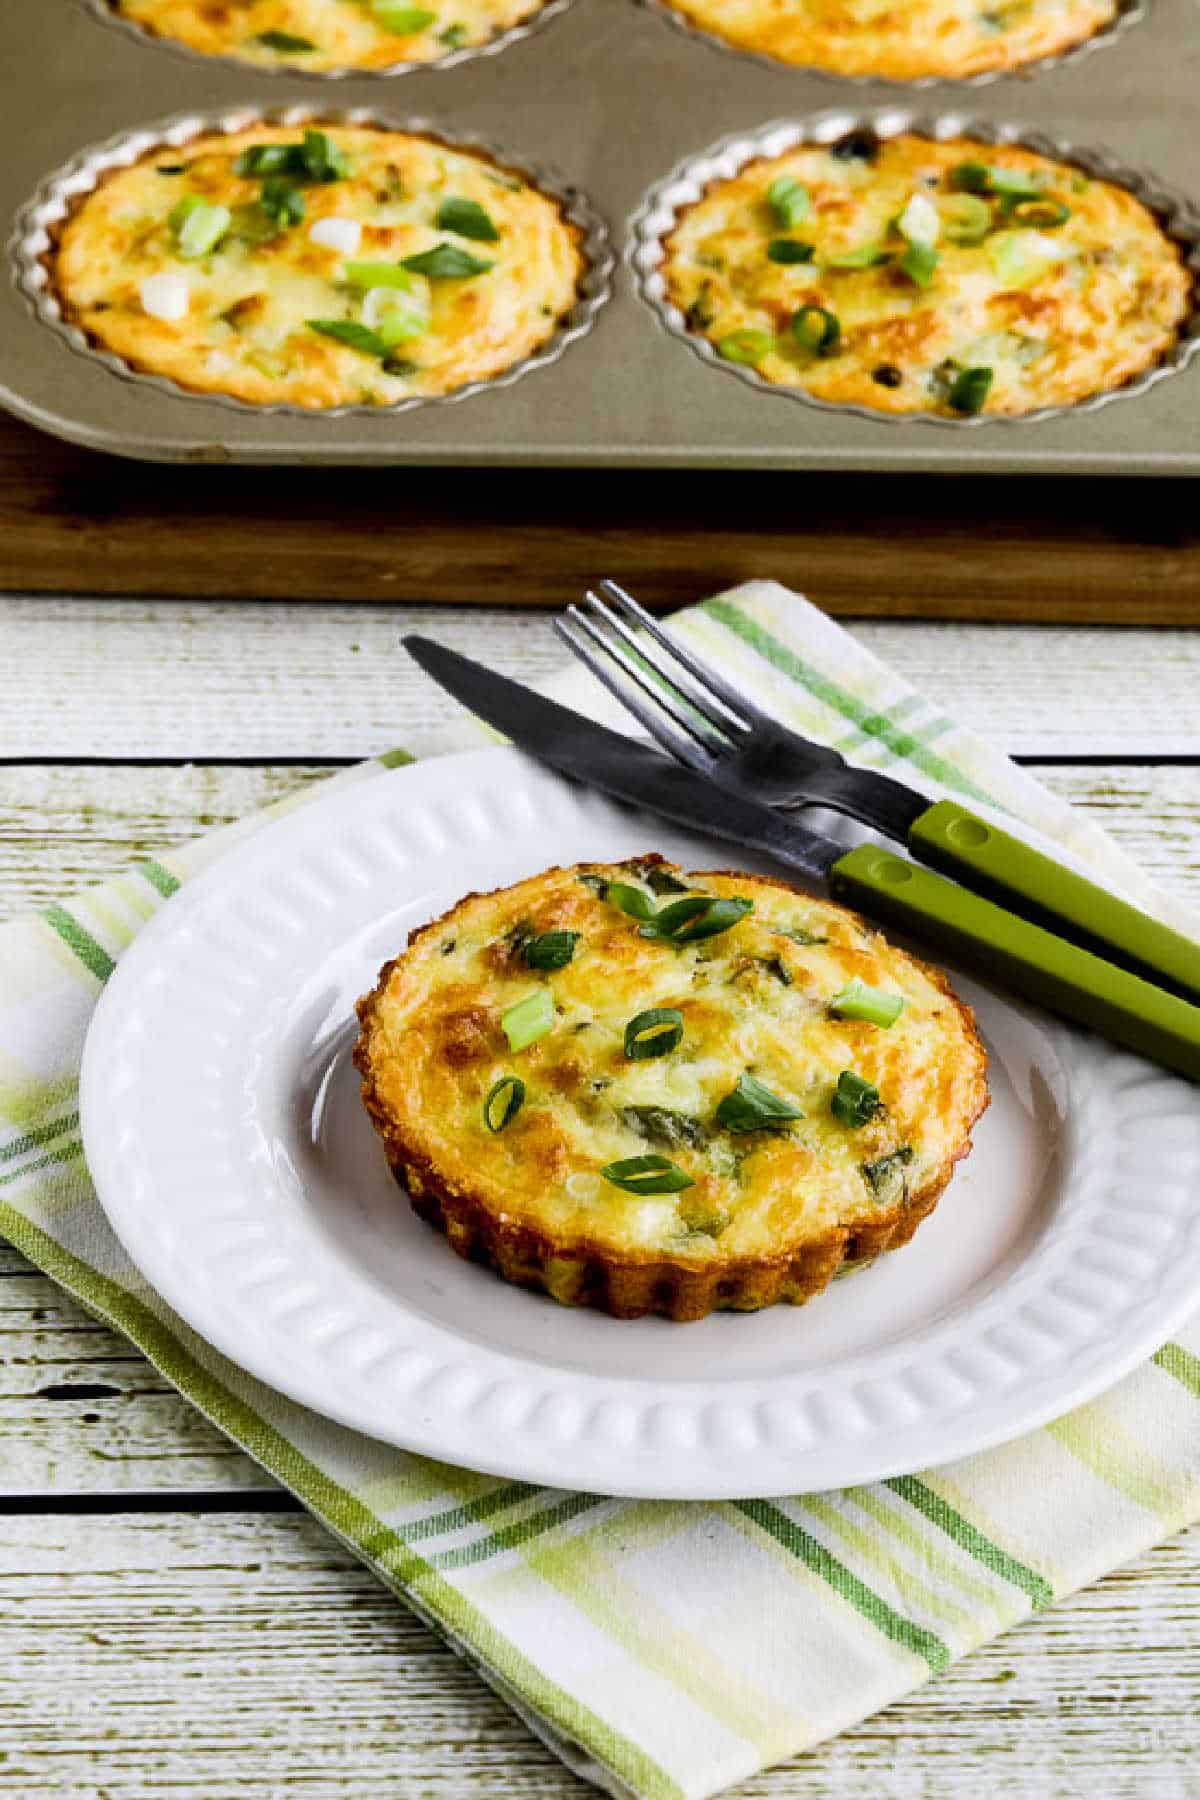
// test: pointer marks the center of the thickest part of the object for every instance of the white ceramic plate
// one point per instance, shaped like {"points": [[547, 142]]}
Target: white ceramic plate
{"points": [[225, 1134]]}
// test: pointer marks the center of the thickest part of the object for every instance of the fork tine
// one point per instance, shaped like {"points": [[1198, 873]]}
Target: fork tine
{"points": [[702, 672], [667, 693], [575, 629], [668, 668]]}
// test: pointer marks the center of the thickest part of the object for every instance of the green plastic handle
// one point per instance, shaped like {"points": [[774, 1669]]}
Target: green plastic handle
{"points": [[1024, 957], [991, 862]]}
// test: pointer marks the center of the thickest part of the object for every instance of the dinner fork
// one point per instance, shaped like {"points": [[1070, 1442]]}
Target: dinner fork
{"points": [[705, 722]]}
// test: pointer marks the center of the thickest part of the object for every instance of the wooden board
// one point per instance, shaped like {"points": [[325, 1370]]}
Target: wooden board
{"points": [[917, 546]]}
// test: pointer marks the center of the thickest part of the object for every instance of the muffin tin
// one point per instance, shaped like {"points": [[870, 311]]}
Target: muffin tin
{"points": [[608, 103]]}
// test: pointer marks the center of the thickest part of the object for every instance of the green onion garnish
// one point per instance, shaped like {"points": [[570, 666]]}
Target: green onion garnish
{"points": [[699, 916], [647, 1175], [752, 1107], [529, 1020], [378, 274], [551, 949], [405, 21], [653, 1033], [284, 42], [815, 328], [867, 256], [446, 262], [745, 346], [467, 219], [858, 1001], [970, 390], [966, 219], [629, 899], [315, 158], [504, 1102], [984, 178], [282, 202], [663, 882], [354, 336], [1043, 215], [854, 1101], [198, 226], [789, 250], [918, 263], [880, 1175], [789, 200], [453, 36], [798, 934]]}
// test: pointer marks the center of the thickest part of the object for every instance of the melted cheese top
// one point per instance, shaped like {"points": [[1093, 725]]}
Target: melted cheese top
{"points": [[902, 40], [754, 1000], [1055, 307], [244, 307], [328, 34]]}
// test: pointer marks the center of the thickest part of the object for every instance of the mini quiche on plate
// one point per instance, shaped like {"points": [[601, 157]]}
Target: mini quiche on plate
{"points": [[327, 34], [344, 265], [903, 40], [915, 276], [654, 1093]]}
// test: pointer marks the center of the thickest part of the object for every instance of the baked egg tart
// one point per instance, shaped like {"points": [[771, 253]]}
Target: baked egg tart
{"points": [[651, 1092], [917, 276], [319, 35], [902, 40], [317, 267]]}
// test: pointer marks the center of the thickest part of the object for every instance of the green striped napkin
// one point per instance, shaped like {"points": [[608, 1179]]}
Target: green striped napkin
{"points": [[663, 1650]]}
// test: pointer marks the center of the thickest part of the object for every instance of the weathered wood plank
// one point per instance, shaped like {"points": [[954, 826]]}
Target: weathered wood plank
{"points": [[139, 678], [62, 827], [904, 545], [222, 1656]]}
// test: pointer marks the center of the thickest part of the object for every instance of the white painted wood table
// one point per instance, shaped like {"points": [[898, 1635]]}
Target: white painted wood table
{"points": [[172, 1625]]}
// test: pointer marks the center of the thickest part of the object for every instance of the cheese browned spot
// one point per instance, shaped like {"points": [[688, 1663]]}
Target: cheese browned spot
{"points": [[247, 327], [767, 1214], [902, 40], [1060, 296], [328, 34]]}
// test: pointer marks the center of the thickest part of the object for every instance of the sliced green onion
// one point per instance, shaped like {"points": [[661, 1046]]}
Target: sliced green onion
{"points": [[920, 222], [1021, 258], [551, 949], [798, 934], [699, 916], [379, 274], [867, 256], [467, 219], [880, 1175], [396, 316], [284, 42], [282, 202], [315, 158], [966, 219], [663, 882], [854, 1101], [984, 178], [815, 328], [353, 335], [405, 21], [529, 1020], [629, 899], [663, 1125], [752, 1107], [198, 226], [970, 390], [446, 262], [745, 346], [858, 1001], [453, 36], [789, 250], [919, 263], [647, 1175], [789, 200], [504, 1102], [1043, 215], [653, 1033]]}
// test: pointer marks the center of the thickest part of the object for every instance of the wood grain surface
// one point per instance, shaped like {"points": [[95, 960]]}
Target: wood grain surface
{"points": [[166, 1631], [73, 521]]}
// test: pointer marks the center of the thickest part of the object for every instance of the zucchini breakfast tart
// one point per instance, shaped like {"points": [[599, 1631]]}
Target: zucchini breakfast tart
{"points": [[903, 40], [319, 35], [914, 276], [317, 267], [651, 1093]]}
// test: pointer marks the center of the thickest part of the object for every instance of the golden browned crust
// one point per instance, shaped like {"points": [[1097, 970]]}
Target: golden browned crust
{"points": [[630, 1284]]}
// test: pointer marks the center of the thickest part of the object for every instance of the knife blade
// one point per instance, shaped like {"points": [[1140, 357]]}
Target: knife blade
{"points": [[964, 926]]}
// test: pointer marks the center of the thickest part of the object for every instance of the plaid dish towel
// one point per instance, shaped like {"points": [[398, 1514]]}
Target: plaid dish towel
{"points": [[663, 1650]]}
